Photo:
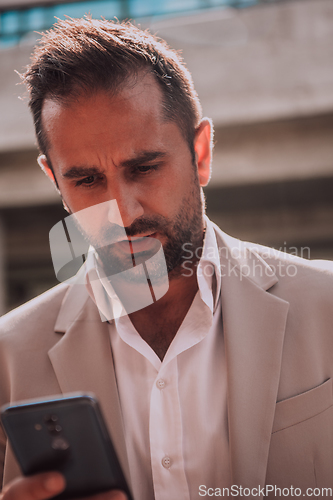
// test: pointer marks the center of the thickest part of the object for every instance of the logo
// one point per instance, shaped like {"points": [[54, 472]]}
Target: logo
{"points": [[124, 274]]}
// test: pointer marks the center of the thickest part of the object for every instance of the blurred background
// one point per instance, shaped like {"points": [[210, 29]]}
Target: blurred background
{"points": [[264, 74]]}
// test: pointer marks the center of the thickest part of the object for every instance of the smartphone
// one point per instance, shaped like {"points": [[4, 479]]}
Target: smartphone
{"points": [[67, 434]]}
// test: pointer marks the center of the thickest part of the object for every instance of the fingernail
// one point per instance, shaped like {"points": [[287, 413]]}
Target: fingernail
{"points": [[54, 483]]}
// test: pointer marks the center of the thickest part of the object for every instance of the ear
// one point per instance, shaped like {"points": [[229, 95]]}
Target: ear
{"points": [[203, 149], [44, 165]]}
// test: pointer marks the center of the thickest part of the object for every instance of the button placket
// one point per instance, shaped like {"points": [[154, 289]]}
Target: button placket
{"points": [[165, 433]]}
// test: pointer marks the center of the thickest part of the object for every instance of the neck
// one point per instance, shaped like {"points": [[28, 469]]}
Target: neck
{"points": [[159, 322]]}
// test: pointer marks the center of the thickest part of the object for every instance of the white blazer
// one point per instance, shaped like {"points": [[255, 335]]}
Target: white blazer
{"points": [[278, 326]]}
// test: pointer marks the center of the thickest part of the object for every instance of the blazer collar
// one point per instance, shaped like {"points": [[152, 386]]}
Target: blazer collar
{"points": [[254, 322], [244, 258]]}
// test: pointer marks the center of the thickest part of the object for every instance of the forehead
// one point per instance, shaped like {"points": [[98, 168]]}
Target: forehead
{"points": [[134, 111]]}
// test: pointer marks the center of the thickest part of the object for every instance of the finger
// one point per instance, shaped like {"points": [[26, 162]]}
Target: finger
{"points": [[37, 487]]}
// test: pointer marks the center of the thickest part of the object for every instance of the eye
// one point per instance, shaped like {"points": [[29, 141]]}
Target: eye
{"points": [[87, 181], [143, 169]]}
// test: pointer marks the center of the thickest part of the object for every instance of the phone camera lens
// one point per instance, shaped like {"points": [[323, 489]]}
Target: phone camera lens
{"points": [[50, 419], [54, 429], [52, 424], [59, 443]]}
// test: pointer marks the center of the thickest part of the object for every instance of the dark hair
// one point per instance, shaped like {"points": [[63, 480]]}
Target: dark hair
{"points": [[86, 55]]}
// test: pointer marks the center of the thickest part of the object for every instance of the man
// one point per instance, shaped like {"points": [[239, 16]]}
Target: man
{"points": [[224, 382]]}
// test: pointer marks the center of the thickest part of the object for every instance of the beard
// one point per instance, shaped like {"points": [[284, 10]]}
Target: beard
{"points": [[186, 227]]}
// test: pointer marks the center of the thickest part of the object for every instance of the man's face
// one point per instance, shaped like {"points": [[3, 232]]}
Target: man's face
{"points": [[120, 148]]}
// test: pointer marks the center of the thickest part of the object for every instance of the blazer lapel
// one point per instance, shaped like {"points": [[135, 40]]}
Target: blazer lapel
{"points": [[82, 361], [254, 325]]}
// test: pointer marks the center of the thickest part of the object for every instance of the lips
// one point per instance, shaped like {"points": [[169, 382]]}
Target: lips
{"points": [[137, 244], [150, 235]]}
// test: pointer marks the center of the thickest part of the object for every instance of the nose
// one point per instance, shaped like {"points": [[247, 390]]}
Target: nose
{"points": [[125, 207]]}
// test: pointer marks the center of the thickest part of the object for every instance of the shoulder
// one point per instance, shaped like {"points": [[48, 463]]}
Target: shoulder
{"points": [[299, 258], [306, 284], [296, 276], [35, 315], [292, 268]]}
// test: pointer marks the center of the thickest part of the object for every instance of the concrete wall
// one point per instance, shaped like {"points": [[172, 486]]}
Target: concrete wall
{"points": [[265, 76], [282, 150], [258, 64], [261, 63], [264, 64]]}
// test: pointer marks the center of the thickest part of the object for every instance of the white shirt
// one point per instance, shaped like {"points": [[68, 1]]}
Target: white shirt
{"points": [[175, 410]]}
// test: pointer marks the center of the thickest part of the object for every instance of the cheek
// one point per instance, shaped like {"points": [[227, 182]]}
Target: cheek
{"points": [[166, 200], [183, 186], [176, 183], [75, 199]]}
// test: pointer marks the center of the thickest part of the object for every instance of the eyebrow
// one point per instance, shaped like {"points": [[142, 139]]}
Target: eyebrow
{"points": [[145, 157], [78, 171]]}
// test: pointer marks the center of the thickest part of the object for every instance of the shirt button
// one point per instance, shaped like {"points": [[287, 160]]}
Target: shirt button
{"points": [[160, 383], [166, 462]]}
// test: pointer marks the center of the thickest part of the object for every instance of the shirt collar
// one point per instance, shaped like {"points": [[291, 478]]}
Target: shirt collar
{"points": [[208, 269], [100, 289]]}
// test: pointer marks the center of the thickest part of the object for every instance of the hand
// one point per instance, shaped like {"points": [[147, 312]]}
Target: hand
{"points": [[44, 486]]}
